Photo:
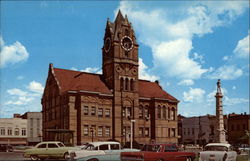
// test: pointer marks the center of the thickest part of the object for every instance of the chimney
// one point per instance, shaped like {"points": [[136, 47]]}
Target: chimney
{"points": [[16, 115]]}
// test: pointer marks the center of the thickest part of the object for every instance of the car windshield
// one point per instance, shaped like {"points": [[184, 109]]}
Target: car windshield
{"points": [[153, 148], [61, 145], [216, 148], [91, 147]]}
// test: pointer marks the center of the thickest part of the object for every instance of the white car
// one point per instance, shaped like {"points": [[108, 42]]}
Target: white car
{"points": [[218, 152], [94, 148]]}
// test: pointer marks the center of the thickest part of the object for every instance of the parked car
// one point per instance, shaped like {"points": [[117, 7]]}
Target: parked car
{"points": [[108, 150], [244, 147], [6, 148], [158, 152], [218, 152], [52, 149]]}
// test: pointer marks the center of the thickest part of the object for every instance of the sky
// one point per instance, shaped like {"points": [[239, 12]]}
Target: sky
{"points": [[186, 45]]}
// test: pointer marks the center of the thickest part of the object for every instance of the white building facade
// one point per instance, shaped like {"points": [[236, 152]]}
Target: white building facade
{"points": [[13, 131]]}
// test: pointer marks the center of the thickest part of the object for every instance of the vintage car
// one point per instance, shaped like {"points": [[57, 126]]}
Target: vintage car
{"points": [[158, 152], [108, 150], [6, 148], [52, 149], [218, 152]]}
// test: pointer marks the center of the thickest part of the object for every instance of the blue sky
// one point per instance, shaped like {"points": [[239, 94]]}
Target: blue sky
{"points": [[186, 45]]}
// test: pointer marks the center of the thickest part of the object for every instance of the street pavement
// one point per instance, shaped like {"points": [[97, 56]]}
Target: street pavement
{"points": [[18, 156], [4, 156]]}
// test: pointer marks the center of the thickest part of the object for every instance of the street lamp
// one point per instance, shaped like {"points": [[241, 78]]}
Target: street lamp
{"points": [[131, 134]]}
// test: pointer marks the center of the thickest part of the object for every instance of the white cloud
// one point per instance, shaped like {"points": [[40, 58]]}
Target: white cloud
{"points": [[17, 92], [225, 58], [194, 95], [35, 87], [226, 72], [89, 70], [211, 95], [12, 54], [20, 97], [144, 73], [171, 38], [174, 56], [186, 82], [242, 48], [233, 101], [74, 68]]}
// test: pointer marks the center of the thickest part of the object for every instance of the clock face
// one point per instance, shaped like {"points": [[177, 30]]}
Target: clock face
{"points": [[127, 43], [107, 44]]}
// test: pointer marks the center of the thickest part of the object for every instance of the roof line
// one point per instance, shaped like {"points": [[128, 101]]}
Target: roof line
{"points": [[53, 73]]}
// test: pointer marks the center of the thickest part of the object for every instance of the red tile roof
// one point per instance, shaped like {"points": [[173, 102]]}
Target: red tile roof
{"points": [[70, 80], [149, 89], [75, 80]]}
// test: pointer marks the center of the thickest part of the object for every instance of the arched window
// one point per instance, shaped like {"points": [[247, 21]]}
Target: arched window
{"points": [[121, 84], [146, 112], [164, 112], [140, 111], [173, 114], [169, 113], [16, 131], [159, 112], [126, 84], [131, 84]]}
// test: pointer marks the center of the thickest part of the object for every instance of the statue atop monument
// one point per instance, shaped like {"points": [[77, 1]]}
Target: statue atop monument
{"points": [[218, 86]]}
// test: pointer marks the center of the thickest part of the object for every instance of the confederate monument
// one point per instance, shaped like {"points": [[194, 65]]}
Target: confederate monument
{"points": [[220, 136]]}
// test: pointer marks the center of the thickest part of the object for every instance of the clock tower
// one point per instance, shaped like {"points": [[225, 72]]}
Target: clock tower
{"points": [[120, 73]]}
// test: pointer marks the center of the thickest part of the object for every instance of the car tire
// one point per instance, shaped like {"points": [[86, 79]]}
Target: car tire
{"points": [[93, 159], [160, 160], [34, 157], [66, 156], [188, 159]]}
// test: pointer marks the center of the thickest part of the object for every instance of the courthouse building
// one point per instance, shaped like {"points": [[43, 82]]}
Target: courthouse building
{"points": [[79, 107]]}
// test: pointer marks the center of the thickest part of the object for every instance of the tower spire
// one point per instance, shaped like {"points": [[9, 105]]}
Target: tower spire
{"points": [[119, 16]]}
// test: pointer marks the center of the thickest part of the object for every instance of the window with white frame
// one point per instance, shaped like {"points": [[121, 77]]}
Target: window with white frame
{"points": [[140, 131], [85, 130], [100, 131], [93, 111], [107, 113], [23, 132], [2, 131], [86, 110], [16, 131], [107, 131], [100, 112], [9, 131]]}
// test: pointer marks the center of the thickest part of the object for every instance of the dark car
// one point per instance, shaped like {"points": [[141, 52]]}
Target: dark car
{"points": [[6, 148]]}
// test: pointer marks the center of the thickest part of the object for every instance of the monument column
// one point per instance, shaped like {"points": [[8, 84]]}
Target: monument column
{"points": [[220, 136]]}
